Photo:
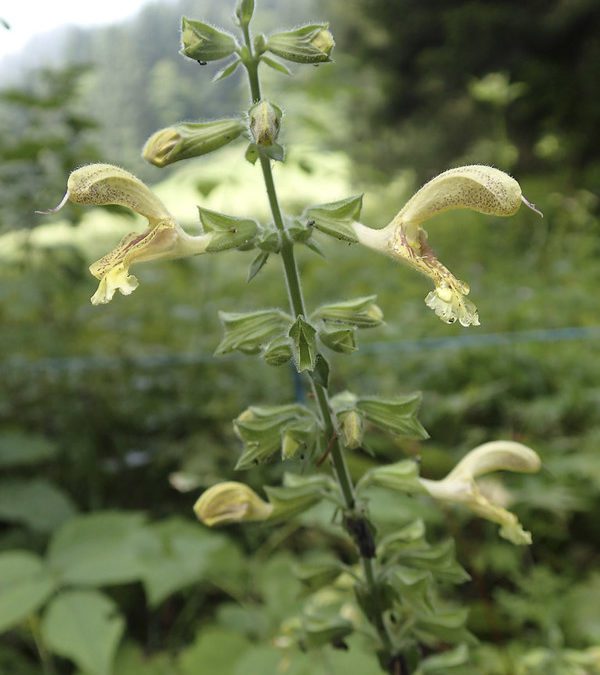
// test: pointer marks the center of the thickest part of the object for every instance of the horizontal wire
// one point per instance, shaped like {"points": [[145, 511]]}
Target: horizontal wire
{"points": [[79, 363]]}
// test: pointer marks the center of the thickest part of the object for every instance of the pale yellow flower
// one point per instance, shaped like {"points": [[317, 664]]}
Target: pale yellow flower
{"points": [[479, 188], [164, 239], [459, 485]]}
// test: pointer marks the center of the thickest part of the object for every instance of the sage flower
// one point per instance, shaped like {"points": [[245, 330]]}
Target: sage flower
{"points": [[164, 239], [479, 188], [460, 486], [230, 502]]}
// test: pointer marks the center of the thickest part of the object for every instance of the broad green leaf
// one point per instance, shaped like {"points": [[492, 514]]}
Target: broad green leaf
{"points": [[183, 554], [131, 660], [36, 503], [101, 548], [214, 651], [25, 584], [85, 627], [20, 449]]}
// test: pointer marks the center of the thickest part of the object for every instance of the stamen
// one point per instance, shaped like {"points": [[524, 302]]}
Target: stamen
{"points": [[531, 206], [56, 208]]}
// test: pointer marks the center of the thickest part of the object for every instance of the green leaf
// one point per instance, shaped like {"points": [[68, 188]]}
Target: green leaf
{"points": [[25, 585], [100, 548], [440, 664], [276, 65], [229, 231], [439, 559], [257, 264], [252, 153], [21, 449], [315, 574], [183, 554], [131, 660], [319, 630], [360, 312], [304, 344], [443, 626], [36, 503], [214, 651], [249, 332], [397, 415], [410, 535], [227, 70], [336, 218], [275, 152], [85, 627]]}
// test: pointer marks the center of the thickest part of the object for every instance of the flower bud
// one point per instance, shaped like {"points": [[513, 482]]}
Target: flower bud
{"points": [[265, 122], [244, 11], [187, 140], [203, 42], [352, 428], [307, 44], [230, 502]]}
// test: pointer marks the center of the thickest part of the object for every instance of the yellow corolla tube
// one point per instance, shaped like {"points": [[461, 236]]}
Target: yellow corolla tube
{"points": [[479, 188], [231, 502], [459, 485], [103, 184]]}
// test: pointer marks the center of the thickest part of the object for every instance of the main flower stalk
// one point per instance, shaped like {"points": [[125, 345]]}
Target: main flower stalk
{"points": [[357, 523]]}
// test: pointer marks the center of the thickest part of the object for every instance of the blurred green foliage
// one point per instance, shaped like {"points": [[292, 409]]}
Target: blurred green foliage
{"points": [[103, 410]]}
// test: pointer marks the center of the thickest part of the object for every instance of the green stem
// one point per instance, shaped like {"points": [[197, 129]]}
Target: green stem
{"points": [[338, 459]]}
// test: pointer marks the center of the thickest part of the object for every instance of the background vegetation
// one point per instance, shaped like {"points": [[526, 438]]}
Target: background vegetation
{"points": [[104, 412]]}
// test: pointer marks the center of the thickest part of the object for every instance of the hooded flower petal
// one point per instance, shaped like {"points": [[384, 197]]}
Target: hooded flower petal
{"points": [[102, 184], [479, 188], [459, 485], [231, 502]]}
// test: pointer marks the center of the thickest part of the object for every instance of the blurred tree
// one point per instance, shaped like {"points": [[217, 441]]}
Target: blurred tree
{"points": [[417, 110], [43, 136]]}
